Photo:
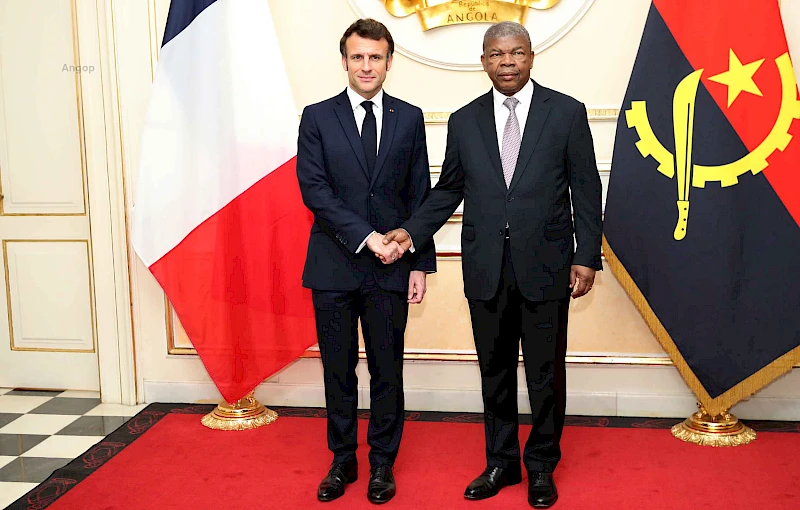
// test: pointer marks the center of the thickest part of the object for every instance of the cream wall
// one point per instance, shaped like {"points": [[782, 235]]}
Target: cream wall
{"points": [[616, 365]]}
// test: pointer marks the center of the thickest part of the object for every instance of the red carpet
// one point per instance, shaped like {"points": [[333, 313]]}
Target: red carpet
{"points": [[179, 464]]}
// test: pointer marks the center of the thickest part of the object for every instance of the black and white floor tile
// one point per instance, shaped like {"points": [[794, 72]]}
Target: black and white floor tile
{"points": [[41, 431]]}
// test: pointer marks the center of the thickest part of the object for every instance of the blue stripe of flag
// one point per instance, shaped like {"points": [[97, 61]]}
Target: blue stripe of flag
{"points": [[181, 15]]}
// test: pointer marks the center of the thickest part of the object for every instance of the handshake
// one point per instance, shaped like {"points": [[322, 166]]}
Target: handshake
{"points": [[390, 247]]}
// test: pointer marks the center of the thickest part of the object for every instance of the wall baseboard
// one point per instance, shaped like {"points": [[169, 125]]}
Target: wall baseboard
{"points": [[597, 390]]}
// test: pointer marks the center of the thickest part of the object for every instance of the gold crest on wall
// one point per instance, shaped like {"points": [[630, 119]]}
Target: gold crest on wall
{"points": [[433, 14]]}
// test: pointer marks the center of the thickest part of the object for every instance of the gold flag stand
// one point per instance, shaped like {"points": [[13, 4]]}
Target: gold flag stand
{"points": [[706, 430], [244, 414]]}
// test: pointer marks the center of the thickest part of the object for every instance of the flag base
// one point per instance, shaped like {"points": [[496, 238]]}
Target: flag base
{"points": [[245, 414], [706, 430]]}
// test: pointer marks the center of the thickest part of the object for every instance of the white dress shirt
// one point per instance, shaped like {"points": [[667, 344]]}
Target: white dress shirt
{"points": [[359, 112], [501, 113]]}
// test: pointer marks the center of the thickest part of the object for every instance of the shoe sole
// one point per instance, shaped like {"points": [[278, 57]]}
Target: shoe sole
{"points": [[478, 498], [378, 501], [346, 483], [540, 505]]}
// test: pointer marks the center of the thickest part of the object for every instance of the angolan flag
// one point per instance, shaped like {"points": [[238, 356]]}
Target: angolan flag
{"points": [[218, 217], [703, 206]]}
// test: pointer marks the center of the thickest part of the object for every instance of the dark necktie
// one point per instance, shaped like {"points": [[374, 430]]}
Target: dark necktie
{"points": [[369, 136]]}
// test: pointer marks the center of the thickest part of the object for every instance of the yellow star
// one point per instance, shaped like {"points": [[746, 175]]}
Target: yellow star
{"points": [[739, 78]]}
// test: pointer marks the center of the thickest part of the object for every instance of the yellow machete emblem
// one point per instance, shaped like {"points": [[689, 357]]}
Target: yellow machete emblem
{"points": [[689, 174]]}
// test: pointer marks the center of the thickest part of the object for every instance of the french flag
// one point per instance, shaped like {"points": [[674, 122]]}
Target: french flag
{"points": [[218, 217]]}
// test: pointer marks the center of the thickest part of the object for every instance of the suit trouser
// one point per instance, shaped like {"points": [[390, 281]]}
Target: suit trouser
{"points": [[498, 325], [383, 317]]}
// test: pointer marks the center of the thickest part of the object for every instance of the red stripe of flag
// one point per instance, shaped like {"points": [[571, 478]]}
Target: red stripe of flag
{"points": [[236, 284]]}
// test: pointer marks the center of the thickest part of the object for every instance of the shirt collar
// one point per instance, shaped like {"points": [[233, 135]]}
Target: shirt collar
{"points": [[524, 96], [356, 99]]}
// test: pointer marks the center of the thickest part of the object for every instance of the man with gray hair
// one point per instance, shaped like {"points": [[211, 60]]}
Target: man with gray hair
{"points": [[521, 157]]}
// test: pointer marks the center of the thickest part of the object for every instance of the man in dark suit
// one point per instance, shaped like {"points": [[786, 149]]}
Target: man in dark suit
{"points": [[362, 164], [514, 156]]}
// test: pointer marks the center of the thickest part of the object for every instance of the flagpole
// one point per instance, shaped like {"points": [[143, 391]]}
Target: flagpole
{"points": [[723, 429], [244, 414]]}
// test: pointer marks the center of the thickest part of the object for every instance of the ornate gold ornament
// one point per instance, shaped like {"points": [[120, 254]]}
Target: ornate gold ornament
{"points": [[433, 14], [244, 414], [706, 430], [690, 174]]}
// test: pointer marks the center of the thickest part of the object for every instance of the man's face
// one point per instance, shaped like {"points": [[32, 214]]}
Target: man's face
{"points": [[366, 63], [508, 62]]}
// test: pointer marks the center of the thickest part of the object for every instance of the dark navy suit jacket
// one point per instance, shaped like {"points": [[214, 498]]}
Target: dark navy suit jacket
{"points": [[348, 202], [556, 174]]}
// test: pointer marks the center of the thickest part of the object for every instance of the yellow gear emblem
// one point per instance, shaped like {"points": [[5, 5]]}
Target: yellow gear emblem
{"points": [[683, 120]]}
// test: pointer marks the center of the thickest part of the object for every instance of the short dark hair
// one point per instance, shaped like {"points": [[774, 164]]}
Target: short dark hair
{"points": [[367, 28]]}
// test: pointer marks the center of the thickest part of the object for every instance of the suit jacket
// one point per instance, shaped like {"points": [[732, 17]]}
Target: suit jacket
{"points": [[556, 159], [348, 202]]}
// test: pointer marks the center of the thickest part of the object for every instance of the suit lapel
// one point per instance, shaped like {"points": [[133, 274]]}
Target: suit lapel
{"points": [[387, 135], [537, 118], [348, 121], [486, 124]]}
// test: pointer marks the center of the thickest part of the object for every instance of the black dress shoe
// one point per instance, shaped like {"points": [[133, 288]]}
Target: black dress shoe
{"points": [[491, 481], [340, 474], [381, 485], [541, 489]]}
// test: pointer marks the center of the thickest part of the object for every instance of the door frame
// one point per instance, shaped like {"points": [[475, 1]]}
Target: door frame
{"points": [[108, 203]]}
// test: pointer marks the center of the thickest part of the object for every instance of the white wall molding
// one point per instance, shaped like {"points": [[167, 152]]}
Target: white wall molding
{"points": [[594, 390], [595, 113]]}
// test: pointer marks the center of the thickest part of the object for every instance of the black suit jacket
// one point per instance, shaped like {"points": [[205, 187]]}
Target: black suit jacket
{"points": [[556, 159], [348, 202]]}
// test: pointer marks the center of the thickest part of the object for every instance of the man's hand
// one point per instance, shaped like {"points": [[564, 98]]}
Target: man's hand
{"points": [[416, 287], [399, 236], [581, 279], [387, 252]]}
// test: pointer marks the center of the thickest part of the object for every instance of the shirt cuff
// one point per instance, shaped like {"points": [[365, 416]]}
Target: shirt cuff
{"points": [[364, 242], [409, 238]]}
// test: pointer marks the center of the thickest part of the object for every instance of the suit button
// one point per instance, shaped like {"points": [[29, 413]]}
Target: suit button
{"points": [[502, 231], [372, 194], [510, 199]]}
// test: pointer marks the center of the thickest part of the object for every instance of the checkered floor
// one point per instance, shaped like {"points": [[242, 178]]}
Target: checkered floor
{"points": [[41, 431]]}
